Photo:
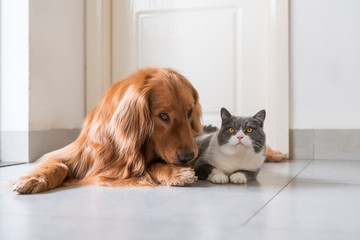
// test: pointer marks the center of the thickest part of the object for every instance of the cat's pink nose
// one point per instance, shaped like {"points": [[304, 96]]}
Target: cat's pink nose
{"points": [[240, 137]]}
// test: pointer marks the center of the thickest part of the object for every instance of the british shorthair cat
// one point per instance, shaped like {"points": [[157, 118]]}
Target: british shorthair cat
{"points": [[235, 152]]}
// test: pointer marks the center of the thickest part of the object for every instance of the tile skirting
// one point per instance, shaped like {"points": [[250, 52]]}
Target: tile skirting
{"points": [[325, 144], [41, 142], [24, 146]]}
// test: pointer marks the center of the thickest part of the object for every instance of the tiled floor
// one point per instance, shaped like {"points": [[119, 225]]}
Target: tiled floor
{"points": [[302, 199]]}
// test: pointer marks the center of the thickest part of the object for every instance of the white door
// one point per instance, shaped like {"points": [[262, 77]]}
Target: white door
{"points": [[233, 51]]}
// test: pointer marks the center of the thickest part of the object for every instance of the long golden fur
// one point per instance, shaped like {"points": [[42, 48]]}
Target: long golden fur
{"points": [[141, 134], [154, 114]]}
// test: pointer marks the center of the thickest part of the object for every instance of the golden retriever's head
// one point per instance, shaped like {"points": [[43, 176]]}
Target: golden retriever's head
{"points": [[176, 112], [154, 110]]}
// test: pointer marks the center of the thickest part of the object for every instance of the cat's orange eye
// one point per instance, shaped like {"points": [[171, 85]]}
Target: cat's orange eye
{"points": [[249, 130], [231, 130]]}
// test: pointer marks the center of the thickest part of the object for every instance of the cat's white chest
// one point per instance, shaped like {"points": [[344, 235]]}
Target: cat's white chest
{"points": [[246, 159]]}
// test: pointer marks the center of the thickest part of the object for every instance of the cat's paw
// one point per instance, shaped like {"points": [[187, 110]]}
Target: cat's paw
{"points": [[238, 178], [183, 176], [30, 185], [218, 178]]}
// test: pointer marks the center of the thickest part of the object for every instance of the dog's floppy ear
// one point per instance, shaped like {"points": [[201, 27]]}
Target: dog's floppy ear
{"points": [[131, 126], [196, 122]]}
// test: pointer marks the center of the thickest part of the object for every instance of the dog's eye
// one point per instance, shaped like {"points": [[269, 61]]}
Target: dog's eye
{"points": [[164, 117], [189, 113]]}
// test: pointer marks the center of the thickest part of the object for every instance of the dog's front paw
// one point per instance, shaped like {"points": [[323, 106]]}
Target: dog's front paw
{"points": [[183, 176], [30, 185], [238, 178]]}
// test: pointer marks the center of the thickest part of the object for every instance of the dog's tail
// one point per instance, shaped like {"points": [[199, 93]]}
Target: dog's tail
{"points": [[275, 156]]}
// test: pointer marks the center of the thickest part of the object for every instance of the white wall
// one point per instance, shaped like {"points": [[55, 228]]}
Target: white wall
{"points": [[47, 38], [325, 64], [14, 80], [14, 75], [57, 64], [42, 76]]}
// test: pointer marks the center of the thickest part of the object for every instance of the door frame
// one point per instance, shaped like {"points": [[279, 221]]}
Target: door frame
{"points": [[98, 63], [97, 50]]}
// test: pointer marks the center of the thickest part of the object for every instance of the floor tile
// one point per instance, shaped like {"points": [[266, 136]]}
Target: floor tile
{"points": [[200, 211], [321, 202], [332, 171], [312, 208], [286, 234]]}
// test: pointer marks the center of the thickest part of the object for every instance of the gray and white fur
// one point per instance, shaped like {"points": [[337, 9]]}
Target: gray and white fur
{"points": [[235, 152]]}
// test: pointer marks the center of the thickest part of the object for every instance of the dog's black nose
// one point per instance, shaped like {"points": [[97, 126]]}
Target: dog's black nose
{"points": [[185, 157]]}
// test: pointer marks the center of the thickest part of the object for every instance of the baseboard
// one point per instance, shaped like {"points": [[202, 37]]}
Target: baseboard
{"points": [[24, 146], [41, 142], [325, 144]]}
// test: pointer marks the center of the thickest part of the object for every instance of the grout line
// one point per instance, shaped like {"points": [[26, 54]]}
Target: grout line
{"points": [[313, 144], [10, 164], [262, 207]]}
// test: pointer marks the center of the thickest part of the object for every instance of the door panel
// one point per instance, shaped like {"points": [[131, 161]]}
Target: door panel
{"points": [[199, 44], [225, 48]]}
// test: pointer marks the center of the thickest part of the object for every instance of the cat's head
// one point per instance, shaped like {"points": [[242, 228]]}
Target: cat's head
{"points": [[239, 133]]}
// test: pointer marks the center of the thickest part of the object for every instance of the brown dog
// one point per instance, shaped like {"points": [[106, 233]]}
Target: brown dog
{"points": [[154, 114]]}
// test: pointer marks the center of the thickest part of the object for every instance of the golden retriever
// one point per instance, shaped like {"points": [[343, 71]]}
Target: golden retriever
{"points": [[140, 134]]}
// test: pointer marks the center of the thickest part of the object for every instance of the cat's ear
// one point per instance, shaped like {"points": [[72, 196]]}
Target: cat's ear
{"points": [[225, 115], [261, 117]]}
